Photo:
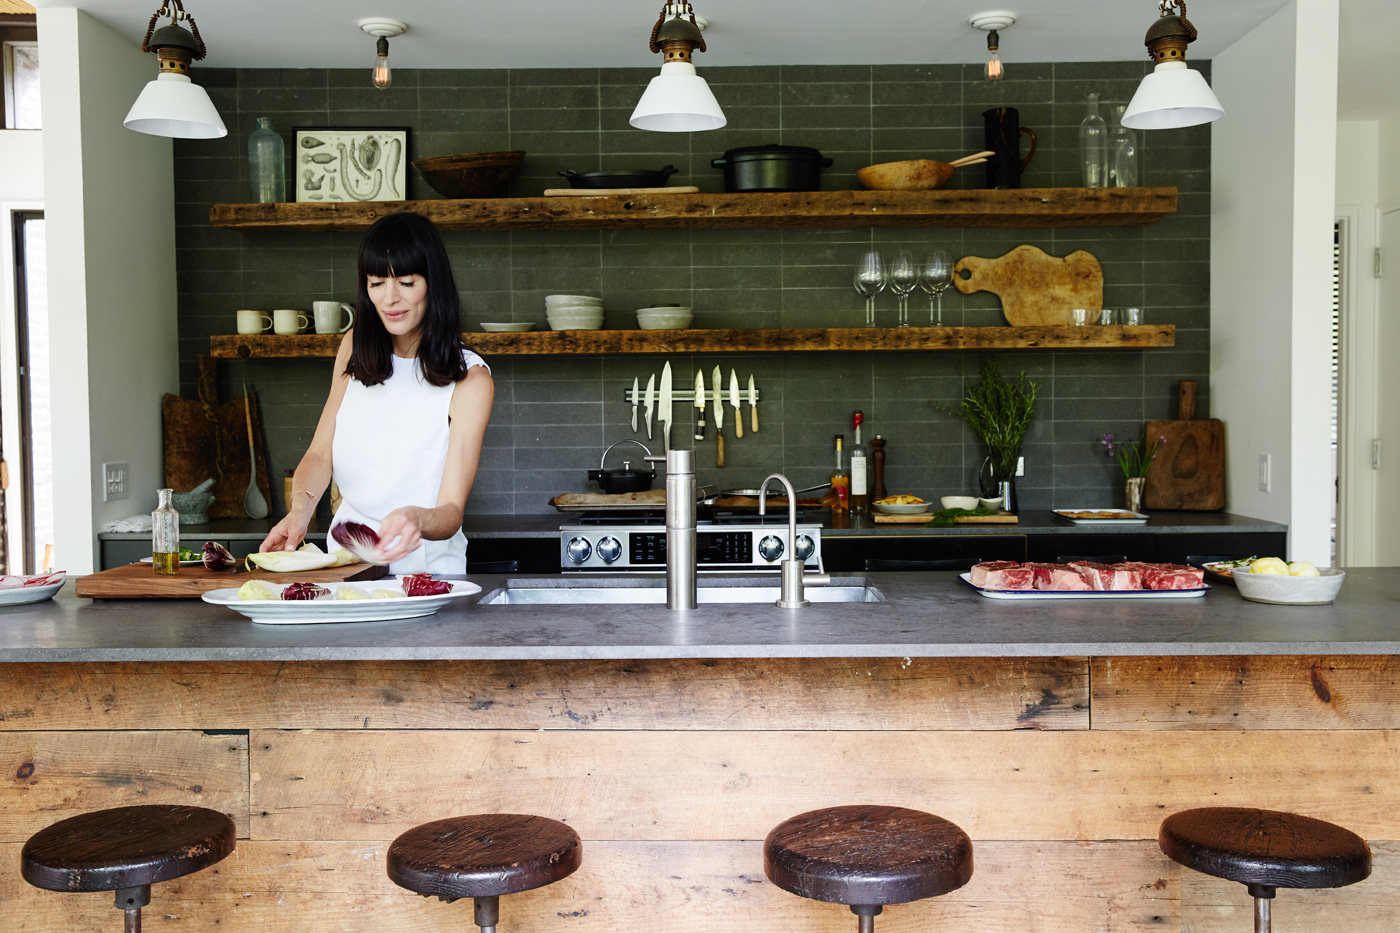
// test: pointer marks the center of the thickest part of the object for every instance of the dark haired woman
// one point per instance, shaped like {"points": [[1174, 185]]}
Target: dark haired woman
{"points": [[402, 429]]}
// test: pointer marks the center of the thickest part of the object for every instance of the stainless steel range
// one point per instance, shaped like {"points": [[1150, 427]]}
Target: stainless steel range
{"points": [[636, 542]]}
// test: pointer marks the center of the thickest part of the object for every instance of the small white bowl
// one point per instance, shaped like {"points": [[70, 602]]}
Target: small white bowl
{"points": [[576, 324], [506, 327], [1282, 590], [990, 503], [593, 320], [665, 319], [959, 502], [572, 299]]}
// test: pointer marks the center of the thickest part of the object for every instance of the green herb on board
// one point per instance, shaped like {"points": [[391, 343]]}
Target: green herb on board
{"points": [[947, 516]]}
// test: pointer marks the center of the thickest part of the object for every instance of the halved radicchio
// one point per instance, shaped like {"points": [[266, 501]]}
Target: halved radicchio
{"points": [[304, 591], [360, 540], [217, 557], [423, 584]]}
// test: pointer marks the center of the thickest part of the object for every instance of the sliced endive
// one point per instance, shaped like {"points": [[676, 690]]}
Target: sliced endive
{"points": [[308, 557]]}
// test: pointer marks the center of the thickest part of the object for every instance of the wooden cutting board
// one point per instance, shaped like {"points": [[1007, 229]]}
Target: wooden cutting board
{"points": [[138, 581], [204, 441], [1004, 518], [1036, 288], [1189, 472]]}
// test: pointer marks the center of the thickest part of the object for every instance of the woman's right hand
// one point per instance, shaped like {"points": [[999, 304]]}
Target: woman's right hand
{"points": [[287, 534]]}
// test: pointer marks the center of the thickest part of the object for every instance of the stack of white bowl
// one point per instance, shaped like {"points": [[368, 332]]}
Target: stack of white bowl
{"points": [[573, 312], [665, 317]]}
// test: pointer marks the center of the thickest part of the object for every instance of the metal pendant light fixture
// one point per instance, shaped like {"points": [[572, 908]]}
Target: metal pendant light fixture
{"points": [[678, 100], [380, 76], [172, 104], [1172, 95], [991, 23]]}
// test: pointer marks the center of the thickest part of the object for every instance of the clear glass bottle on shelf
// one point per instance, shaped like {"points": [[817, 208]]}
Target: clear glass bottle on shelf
{"points": [[267, 166], [860, 487], [165, 535], [1093, 146], [841, 480], [1122, 151]]}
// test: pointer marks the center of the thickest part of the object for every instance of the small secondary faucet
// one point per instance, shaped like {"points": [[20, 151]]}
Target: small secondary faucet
{"points": [[681, 558], [794, 576]]}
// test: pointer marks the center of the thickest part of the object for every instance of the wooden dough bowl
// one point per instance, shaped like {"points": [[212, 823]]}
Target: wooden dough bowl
{"points": [[913, 175]]}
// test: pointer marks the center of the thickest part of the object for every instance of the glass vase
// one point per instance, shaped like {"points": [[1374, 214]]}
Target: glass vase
{"points": [[1122, 152], [165, 535], [1093, 146], [1135, 485], [267, 167]]}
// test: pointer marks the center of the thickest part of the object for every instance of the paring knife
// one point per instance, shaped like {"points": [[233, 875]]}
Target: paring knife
{"points": [[636, 400], [719, 416], [753, 406], [666, 414], [734, 400], [700, 404], [651, 401]]}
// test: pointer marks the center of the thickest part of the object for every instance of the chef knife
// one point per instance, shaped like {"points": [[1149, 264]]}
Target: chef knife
{"points": [[636, 399], [700, 404], [651, 401], [666, 414], [719, 416], [734, 400], [753, 406]]}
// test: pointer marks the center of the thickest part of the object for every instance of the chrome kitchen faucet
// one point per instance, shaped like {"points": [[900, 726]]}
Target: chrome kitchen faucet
{"points": [[790, 597]]}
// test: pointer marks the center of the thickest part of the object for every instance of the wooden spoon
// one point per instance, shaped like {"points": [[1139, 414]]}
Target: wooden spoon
{"points": [[253, 502], [974, 159]]}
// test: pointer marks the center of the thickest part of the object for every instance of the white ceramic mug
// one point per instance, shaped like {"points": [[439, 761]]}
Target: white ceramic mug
{"points": [[288, 321], [253, 322], [327, 315]]}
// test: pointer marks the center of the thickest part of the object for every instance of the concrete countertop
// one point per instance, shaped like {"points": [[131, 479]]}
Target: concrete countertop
{"points": [[921, 615]]}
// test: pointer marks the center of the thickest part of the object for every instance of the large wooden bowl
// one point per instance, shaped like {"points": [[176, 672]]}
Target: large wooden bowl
{"points": [[913, 175], [470, 174]]}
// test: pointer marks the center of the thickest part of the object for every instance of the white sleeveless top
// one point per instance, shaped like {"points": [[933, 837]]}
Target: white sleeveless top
{"points": [[389, 451]]}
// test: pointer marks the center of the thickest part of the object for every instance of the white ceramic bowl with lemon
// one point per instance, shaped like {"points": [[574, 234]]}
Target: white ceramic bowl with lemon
{"points": [[1270, 580]]}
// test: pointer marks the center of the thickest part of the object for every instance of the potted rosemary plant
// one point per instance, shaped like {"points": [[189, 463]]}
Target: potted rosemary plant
{"points": [[1000, 412]]}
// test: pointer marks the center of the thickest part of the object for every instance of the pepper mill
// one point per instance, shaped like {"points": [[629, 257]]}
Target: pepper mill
{"points": [[877, 464]]}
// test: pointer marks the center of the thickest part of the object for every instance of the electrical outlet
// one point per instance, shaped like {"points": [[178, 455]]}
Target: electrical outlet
{"points": [[114, 480], [1265, 480], [1020, 466]]}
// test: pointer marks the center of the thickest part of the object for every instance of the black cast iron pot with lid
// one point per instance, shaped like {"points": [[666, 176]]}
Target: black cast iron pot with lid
{"points": [[623, 178], [626, 479], [772, 168]]}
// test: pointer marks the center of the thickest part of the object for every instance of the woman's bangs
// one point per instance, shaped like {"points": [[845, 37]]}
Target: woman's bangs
{"points": [[392, 250]]}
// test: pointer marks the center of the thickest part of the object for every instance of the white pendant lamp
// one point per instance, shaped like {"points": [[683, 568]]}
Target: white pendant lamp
{"points": [[172, 104], [1173, 95], [678, 100]]}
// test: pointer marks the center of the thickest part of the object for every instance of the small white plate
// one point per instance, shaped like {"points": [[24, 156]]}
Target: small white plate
{"points": [[1085, 594], [908, 508], [330, 609], [183, 563], [1121, 517], [23, 595], [507, 327]]}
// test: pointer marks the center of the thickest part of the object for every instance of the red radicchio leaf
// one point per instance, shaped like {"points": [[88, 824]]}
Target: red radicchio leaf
{"points": [[423, 584], [360, 540], [304, 591], [217, 557]]}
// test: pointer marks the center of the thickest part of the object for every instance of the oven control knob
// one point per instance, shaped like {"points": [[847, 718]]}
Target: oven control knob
{"points": [[578, 549], [806, 547], [771, 547], [609, 549]]}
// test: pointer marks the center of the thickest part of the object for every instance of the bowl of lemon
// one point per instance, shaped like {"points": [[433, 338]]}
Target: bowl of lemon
{"points": [[1273, 580]]}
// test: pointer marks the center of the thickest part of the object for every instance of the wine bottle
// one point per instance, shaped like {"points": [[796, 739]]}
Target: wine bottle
{"points": [[860, 489], [841, 480]]}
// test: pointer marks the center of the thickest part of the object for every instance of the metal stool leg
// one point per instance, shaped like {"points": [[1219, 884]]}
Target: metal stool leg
{"points": [[1263, 897], [866, 914], [486, 912], [131, 900]]}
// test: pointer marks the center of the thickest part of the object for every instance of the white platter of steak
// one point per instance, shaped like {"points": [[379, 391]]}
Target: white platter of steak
{"points": [[1008, 579]]}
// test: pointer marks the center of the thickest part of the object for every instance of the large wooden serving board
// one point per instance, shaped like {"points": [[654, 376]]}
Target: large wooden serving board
{"points": [[138, 581], [1035, 288]]}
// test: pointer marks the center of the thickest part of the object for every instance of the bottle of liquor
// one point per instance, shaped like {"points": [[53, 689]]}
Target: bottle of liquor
{"points": [[841, 480], [860, 489]]}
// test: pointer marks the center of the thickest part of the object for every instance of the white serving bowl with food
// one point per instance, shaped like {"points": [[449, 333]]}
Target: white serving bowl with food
{"points": [[908, 508], [1283, 589], [959, 502]]}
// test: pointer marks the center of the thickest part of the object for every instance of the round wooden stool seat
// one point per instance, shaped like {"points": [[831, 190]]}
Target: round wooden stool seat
{"points": [[483, 856], [1265, 849], [867, 855], [126, 847]]}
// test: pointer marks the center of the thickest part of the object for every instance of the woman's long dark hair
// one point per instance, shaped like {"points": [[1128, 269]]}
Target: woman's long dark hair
{"points": [[397, 245]]}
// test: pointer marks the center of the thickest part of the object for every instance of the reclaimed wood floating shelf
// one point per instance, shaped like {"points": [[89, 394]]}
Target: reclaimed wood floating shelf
{"points": [[1024, 207], [596, 342]]}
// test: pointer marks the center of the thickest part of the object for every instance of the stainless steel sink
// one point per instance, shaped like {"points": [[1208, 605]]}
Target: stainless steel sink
{"points": [[653, 592]]}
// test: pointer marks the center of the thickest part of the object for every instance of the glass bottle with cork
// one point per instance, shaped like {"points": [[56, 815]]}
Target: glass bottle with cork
{"points": [[841, 480], [165, 535], [860, 488]]}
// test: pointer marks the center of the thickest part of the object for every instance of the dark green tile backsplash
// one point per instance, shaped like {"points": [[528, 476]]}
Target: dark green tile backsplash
{"points": [[553, 417]]}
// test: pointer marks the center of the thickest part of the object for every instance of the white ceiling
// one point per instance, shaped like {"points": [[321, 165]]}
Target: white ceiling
{"points": [[612, 33]]}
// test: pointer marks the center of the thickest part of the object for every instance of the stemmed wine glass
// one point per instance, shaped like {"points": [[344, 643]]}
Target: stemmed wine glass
{"points": [[870, 279], [934, 278], [904, 275]]}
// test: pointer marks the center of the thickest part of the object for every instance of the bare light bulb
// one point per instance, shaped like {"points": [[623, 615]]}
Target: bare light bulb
{"points": [[994, 68], [382, 76]]}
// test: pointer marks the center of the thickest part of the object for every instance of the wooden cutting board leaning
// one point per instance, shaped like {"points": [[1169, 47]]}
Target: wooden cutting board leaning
{"points": [[1036, 289], [138, 581], [204, 440], [1189, 472]]}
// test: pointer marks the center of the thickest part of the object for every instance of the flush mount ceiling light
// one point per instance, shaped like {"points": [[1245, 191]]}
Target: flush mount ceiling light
{"points": [[172, 104], [1172, 95], [990, 23], [385, 29], [678, 100]]}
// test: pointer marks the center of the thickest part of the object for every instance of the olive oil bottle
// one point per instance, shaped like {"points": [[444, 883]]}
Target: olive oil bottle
{"points": [[165, 535]]}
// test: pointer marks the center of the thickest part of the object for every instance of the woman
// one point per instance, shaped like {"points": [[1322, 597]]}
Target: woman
{"points": [[402, 429]]}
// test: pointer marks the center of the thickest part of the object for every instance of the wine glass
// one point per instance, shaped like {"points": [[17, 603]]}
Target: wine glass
{"points": [[904, 275], [934, 278], [870, 279]]}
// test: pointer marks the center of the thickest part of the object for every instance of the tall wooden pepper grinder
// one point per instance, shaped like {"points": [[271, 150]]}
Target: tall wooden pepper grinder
{"points": [[877, 465]]}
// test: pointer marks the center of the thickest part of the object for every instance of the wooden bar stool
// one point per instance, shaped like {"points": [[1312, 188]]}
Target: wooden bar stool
{"points": [[1265, 850], [483, 857], [866, 857], [126, 849]]}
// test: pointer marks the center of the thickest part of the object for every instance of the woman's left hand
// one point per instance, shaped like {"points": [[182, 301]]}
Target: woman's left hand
{"points": [[407, 525]]}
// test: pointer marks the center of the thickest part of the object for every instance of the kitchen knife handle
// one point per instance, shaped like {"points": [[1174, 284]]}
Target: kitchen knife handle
{"points": [[700, 425], [753, 419], [738, 422], [719, 458]]}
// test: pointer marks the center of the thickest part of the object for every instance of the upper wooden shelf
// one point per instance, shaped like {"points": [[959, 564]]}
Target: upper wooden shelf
{"points": [[1023, 207], [584, 342]]}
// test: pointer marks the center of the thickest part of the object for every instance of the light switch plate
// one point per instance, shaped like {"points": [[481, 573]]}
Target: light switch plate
{"points": [[1020, 466], [114, 480], [1265, 480]]}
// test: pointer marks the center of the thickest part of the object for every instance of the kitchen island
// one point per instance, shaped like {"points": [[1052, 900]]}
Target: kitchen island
{"points": [[1058, 734]]}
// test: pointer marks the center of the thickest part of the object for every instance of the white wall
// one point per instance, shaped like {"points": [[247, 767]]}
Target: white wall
{"points": [[21, 165], [1273, 167], [110, 218]]}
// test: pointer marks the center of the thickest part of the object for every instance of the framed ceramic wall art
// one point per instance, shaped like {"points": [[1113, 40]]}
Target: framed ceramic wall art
{"points": [[351, 163]]}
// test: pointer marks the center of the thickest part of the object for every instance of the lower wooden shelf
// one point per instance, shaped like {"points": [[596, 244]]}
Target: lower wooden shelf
{"points": [[609, 342]]}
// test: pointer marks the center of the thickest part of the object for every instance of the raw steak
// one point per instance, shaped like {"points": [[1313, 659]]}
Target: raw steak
{"points": [[1058, 577], [1002, 575], [979, 572], [1167, 576], [1109, 577]]}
